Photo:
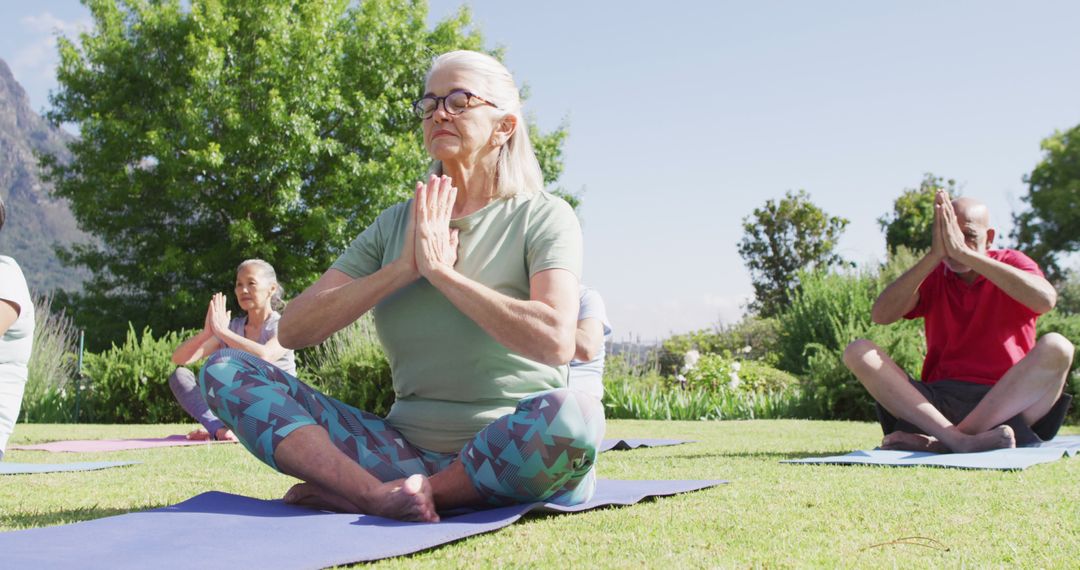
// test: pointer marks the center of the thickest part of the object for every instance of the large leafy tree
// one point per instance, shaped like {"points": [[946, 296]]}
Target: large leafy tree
{"points": [[909, 222], [218, 130], [779, 239], [1051, 224]]}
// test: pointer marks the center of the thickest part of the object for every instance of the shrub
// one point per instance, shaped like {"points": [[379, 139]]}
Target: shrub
{"points": [[129, 383], [50, 389], [636, 366], [1067, 325], [717, 372], [829, 311], [624, 400], [760, 335], [352, 367]]}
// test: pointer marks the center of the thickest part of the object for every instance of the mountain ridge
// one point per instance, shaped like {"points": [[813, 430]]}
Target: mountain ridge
{"points": [[35, 219]]}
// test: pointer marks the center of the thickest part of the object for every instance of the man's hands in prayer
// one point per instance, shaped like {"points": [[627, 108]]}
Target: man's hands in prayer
{"points": [[951, 235]]}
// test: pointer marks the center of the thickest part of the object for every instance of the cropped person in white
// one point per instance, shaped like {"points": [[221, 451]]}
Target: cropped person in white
{"points": [[593, 332], [17, 327]]}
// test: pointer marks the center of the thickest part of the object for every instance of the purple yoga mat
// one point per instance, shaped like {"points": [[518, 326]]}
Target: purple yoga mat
{"points": [[220, 530], [92, 445]]}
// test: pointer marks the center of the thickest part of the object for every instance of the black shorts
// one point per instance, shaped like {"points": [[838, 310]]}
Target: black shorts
{"points": [[955, 399]]}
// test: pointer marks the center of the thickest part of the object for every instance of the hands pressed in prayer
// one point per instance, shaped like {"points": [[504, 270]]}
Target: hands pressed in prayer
{"points": [[952, 238], [217, 317], [434, 241]]}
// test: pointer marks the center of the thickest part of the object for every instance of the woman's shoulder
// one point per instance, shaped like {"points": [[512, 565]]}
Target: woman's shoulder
{"points": [[541, 207], [395, 212]]}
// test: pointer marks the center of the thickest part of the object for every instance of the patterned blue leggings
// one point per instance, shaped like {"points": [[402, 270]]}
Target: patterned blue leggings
{"points": [[544, 451]]}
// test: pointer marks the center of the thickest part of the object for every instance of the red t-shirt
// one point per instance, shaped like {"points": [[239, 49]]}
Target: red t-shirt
{"points": [[974, 332]]}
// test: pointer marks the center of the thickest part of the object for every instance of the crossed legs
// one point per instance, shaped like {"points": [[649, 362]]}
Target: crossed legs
{"points": [[353, 461], [1029, 389]]}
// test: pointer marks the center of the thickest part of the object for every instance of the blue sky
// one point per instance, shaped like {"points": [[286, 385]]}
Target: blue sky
{"points": [[685, 116]]}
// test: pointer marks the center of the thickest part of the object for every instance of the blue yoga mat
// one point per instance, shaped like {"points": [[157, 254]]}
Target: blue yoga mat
{"points": [[7, 468], [230, 531], [625, 444], [1002, 459]]}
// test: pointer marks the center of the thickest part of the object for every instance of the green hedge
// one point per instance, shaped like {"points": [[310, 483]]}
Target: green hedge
{"points": [[128, 383]]}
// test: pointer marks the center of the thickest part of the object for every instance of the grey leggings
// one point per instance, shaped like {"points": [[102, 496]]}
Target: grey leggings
{"points": [[185, 387]]}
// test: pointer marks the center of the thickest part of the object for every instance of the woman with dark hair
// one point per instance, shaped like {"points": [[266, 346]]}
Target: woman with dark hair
{"points": [[17, 330], [260, 296], [474, 289]]}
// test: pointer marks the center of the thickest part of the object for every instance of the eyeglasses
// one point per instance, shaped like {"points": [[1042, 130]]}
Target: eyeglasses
{"points": [[455, 103]]}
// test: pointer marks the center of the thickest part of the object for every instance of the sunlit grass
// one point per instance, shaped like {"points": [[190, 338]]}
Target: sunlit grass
{"points": [[771, 514]]}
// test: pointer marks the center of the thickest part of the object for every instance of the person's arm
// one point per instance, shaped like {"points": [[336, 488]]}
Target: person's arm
{"points": [[337, 299], [1028, 289], [902, 295], [198, 346], [219, 319], [540, 328], [588, 339], [9, 313]]}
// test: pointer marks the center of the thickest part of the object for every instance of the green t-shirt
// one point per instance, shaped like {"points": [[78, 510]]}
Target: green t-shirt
{"points": [[451, 378]]}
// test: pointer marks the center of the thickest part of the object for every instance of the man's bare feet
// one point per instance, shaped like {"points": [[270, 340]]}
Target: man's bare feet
{"points": [[996, 438], [902, 440], [408, 499]]}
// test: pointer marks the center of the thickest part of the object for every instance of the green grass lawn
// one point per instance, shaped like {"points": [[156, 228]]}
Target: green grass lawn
{"points": [[769, 515]]}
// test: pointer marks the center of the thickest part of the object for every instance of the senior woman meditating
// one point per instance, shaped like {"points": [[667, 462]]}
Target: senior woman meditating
{"points": [[474, 288]]}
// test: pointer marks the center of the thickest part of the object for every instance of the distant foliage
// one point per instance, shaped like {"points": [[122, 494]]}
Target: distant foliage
{"points": [[212, 132], [49, 396], [623, 400], [718, 372], [752, 338], [829, 311], [1068, 290], [352, 367], [1067, 325], [128, 383], [1050, 226], [781, 238], [909, 223]]}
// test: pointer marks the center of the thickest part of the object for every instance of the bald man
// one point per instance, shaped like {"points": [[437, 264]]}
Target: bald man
{"points": [[986, 383]]}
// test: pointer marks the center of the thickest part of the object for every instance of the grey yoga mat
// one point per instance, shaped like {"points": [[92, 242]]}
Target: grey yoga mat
{"points": [[229, 531], [8, 468], [1002, 459]]}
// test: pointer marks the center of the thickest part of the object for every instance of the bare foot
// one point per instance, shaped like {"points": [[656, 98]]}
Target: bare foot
{"points": [[906, 441], [997, 438], [312, 495], [405, 499], [408, 499], [225, 434], [198, 435]]}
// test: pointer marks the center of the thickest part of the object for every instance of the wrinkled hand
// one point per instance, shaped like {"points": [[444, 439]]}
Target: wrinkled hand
{"points": [[937, 242], [407, 257], [952, 236], [208, 320], [218, 316], [436, 243]]}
